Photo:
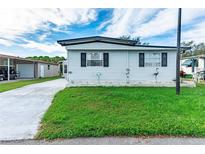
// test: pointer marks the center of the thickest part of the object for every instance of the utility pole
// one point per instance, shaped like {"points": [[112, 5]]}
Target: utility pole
{"points": [[178, 52]]}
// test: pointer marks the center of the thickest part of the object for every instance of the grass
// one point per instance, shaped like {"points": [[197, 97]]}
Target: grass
{"points": [[124, 111], [13, 85]]}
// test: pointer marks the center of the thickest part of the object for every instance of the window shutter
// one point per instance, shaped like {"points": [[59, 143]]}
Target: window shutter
{"points": [[83, 59], [164, 59], [106, 59], [141, 59]]}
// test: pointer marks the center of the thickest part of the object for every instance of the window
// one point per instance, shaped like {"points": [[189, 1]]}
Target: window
{"points": [[189, 62], [141, 59], [65, 68], [152, 60], [83, 59], [48, 67], [106, 59], [164, 59], [94, 59]]}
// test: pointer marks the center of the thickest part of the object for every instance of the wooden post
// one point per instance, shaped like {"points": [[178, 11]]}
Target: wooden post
{"points": [[67, 74], [178, 53], [8, 69]]}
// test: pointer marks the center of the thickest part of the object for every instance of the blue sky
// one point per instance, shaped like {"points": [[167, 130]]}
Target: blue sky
{"points": [[29, 32]]}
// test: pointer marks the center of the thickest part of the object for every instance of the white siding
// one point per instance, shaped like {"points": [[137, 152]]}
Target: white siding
{"points": [[53, 71], [115, 74], [200, 64]]}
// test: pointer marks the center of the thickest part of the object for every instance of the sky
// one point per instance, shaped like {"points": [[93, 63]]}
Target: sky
{"points": [[34, 32]]}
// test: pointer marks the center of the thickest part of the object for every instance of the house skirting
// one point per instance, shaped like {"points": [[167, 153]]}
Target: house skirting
{"points": [[129, 84]]}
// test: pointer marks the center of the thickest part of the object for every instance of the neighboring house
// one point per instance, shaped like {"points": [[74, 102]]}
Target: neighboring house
{"points": [[107, 61], [28, 68], [193, 64]]}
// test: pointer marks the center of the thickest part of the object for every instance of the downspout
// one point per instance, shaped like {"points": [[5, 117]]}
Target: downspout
{"points": [[8, 72], [34, 69], [17, 69], [67, 65], [127, 59], [204, 64], [192, 65], [127, 69], [63, 68]]}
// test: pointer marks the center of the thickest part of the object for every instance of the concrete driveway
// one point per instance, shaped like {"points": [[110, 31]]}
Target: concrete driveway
{"points": [[21, 109]]}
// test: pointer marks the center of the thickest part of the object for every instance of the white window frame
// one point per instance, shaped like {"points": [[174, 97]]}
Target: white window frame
{"points": [[151, 60], [90, 58]]}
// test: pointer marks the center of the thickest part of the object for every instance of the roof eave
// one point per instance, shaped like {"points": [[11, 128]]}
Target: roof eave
{"points": [[112, 41]]}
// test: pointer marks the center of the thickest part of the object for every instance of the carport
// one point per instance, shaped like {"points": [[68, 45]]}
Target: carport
{"points": [[25, 68]]}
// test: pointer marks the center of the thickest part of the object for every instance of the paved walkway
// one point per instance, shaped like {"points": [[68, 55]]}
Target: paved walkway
{"points": [[115, 141], [22, 109]]}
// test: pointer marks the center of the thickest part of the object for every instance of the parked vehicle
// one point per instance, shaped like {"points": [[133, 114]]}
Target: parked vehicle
{"points": [[201, 75], [4, 75]]}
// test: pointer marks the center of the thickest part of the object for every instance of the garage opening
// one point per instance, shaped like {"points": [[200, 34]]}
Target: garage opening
{"points": [[12, 67]]}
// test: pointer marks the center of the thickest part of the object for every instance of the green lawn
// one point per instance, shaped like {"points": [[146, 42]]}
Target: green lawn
{"points": [[13, 85], [125, 111]]}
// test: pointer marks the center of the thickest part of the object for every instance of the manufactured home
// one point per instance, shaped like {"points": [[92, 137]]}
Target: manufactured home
{"points": [[94, 61], [193, 64], [26, 68]]}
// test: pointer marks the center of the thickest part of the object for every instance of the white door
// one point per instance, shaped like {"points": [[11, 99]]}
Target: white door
{"points": [[25, 70], [65, 71], [42, 71]]}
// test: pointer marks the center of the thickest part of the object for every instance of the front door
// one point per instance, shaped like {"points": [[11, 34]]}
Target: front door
{"points": [[42, 71]]}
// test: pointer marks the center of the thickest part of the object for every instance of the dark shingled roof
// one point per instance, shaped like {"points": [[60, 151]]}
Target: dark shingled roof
{"points": [[95, 39], [109, 40]]}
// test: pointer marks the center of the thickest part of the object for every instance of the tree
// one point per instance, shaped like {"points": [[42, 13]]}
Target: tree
{"points": [[196, 49], [55, 59], [136, 39]]}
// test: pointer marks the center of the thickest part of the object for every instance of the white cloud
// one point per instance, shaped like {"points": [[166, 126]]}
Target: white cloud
{"points": [[104, 24], [17, 22], [166, 20], [8, 53], [124, 21], [148, 22], [5, 42], [196, 33], [43, 36], [45, 47]]}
